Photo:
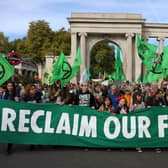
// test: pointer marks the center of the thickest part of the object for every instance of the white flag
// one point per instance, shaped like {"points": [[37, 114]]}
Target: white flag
{"points": [[84, 76]]}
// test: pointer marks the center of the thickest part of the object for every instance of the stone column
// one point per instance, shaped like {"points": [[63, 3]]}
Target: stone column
{"points": [[40, 68], [83, 50], [129, 60], [138, 66], [143, 68], [73, 45], [161, 44]]}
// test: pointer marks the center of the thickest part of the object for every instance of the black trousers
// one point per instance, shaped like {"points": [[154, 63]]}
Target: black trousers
{"points": [[9, 148]]}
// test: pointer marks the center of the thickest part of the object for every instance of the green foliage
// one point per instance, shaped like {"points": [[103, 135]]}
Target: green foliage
{"points": [[102, 58], [61, 42], [4, 44], [38, 40], [19, 46]]}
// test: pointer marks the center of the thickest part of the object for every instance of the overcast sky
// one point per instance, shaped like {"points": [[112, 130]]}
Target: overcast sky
{"points": [[15, 15]]}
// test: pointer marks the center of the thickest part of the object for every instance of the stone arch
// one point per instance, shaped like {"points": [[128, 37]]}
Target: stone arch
{"points": [[91, 43], [89, 28], [108, 40]]}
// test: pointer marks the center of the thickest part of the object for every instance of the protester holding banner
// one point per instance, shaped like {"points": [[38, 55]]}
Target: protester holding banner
{"points": [[84, 97], [164, 86], [55, 93], [107, 106], [31, 95], [114, 94], [122, 106], [2, 92], [154, 87], [148, 98], [70, 95], [166, 98], [11, 94], [158, 99], [137, 102], [128, 96]]}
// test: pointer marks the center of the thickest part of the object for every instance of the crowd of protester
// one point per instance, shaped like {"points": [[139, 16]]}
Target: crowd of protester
{"points": [[116, 99], [112, 98]]}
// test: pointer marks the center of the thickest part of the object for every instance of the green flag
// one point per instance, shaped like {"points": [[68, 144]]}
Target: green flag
{"points": [[75, 68], [151, 60], [146, 52], [118, 74], [156, 72], [57, 69], [88, 74], [165, 61], [139, 80], [6, 70], [77, 63]]}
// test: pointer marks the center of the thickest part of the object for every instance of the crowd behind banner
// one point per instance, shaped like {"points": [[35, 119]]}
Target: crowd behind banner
{"points": [[122, 99]]}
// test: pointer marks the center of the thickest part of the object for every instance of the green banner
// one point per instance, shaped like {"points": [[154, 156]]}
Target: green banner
{"points": [[51, 124]]}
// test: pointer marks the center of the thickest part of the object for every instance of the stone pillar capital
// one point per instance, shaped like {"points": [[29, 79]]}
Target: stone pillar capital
{"points": [[161, 43], [129, 35], [145, 37], [82, 34], [161, 38]]}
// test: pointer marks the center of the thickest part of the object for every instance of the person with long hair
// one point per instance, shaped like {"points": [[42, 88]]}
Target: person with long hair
{"points": [[137, 102], [158, 99], [2, 92], [10, 94], [107, 106], [31, 95], [166, 97]]}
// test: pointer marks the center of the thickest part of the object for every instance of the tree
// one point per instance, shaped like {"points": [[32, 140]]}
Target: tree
{"points": [[38, 40], [19, 46], [61, 42], [102, 58], [4, 44]]}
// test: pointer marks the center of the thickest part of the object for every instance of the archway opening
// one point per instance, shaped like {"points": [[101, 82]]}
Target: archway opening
{"points": [[103, 57]]}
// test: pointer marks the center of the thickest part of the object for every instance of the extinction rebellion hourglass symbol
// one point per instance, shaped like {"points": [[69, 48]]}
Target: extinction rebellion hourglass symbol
{"points": [[2, 71], [66, 68]]}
